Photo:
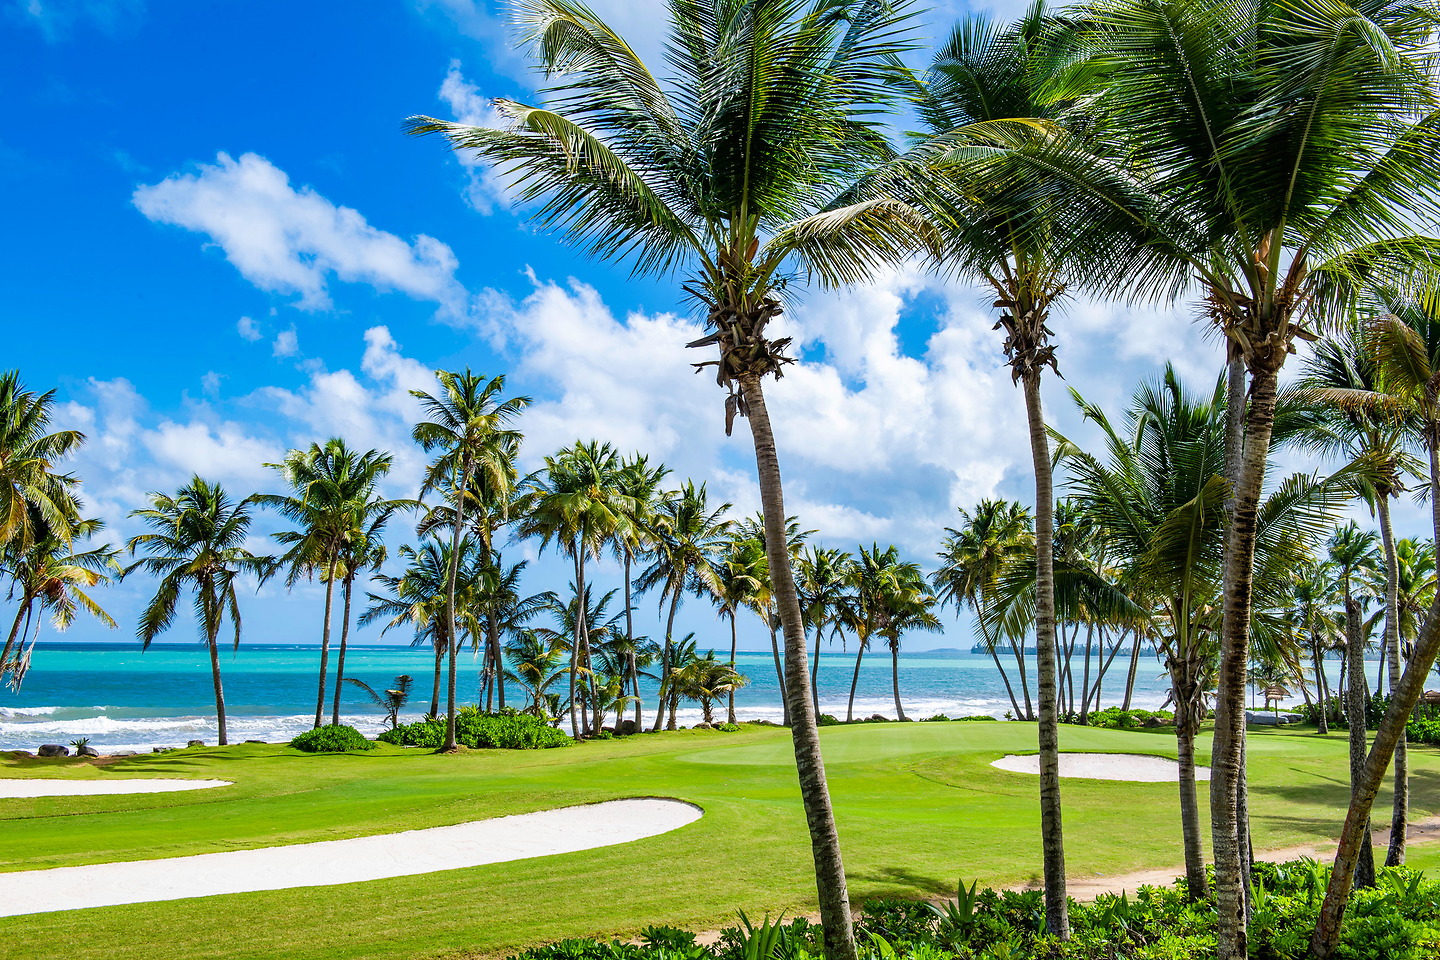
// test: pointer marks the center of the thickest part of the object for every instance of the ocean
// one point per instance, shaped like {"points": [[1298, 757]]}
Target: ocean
{"points": [[124, 699]]}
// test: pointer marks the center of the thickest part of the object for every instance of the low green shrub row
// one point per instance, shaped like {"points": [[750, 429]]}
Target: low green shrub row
{"points": [[1113, 718], [331, 738], [1423, 730], [826, 720], [507, 730], [1399, 919]]}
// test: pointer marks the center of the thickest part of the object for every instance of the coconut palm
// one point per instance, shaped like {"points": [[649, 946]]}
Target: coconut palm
{"points": [[197, 545], [1315, 597], [467, 426], [891, 597], [733, 172], [33, 496], [995, 536], [576, 502], [706, 679], [738, 575], [687, 537], [822, 576], [392, 701], [332, 502], [537, 662], [1415, 586], [52, 575], [641, 483]]}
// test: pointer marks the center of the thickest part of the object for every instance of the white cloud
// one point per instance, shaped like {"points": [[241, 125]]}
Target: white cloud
{"points": [[248, 329], [293, 241], [486, 189], [287, 343]]}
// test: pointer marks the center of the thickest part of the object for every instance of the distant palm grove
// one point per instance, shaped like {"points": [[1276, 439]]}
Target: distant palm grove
{"points": [[1276, 167]]}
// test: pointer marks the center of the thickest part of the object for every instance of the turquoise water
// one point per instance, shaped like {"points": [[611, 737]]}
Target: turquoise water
{"points": [[122, 698]]}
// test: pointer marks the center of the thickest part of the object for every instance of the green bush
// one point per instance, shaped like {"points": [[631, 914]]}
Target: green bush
{"points": [[981, 717], [1423, 731], [1113, 718], [506, 730], [728, 727], [826, 720], [331, 738], [1398, 919]]}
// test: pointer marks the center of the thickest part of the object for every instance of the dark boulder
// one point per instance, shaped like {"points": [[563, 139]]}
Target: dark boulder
{"points": [[54, 750], [196, 743], [86, 751]]}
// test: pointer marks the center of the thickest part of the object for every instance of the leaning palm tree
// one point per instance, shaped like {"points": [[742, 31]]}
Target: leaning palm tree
{"points": [[52, 576], [197, 545], [733, 172], [466, 425], [33, 496], [392, 701], [995, 536]]}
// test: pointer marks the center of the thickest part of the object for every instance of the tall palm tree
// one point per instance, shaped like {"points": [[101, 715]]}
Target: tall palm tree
{"points": [[995, 536], [52, 575], [738, 576], [641, 483], [575, 501], [197, 545], [688, 536], [33, 496], [1337, 102], [467, 426], [1315, 596], [331, 486], [891, 598], [823, 578], [734, 173]]}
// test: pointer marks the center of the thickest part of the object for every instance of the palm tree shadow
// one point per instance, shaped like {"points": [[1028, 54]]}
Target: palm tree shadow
{"points": [[902, 881]]}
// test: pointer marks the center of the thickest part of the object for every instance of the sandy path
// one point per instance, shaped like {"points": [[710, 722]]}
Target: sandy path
{"points": [[41, 787], [331, 862], [1088, 888]]}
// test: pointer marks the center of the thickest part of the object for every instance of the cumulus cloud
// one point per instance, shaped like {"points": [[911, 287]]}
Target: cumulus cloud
{"points": [[291, 241], [248, 329], [486, 188], [286, 343]]}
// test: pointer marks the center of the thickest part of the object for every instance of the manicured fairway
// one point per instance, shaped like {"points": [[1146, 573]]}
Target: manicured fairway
{"points": [[918, 805]]}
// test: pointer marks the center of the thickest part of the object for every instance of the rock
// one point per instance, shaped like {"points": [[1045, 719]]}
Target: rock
{"points": [[196, 743], [163, 749], [54, 750], [247, 741], [627, 728], [124, 753], [86, 751], [877, 718], [1150, 722], [702, 725]]}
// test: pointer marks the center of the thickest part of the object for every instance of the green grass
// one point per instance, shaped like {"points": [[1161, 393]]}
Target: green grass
{"points": [[918, 806]]}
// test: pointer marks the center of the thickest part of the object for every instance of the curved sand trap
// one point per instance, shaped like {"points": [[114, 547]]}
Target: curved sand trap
{"points": [[1104, 766], [331, 862], [39, 787]]}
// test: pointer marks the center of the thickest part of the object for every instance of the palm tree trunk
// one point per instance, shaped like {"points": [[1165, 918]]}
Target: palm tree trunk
{"points": [[805, 734], [665, 662], [584, 630], [224, 739], [14, 632], [325, 639], [575, 645], [630, 645], [452, 577], [1009, 690], [1367, 784], [1104, 667], [1320, 691], [1134, 668], [345, 590], [1187, 720], [439, 664], [1057, 915], [815, 670], [733, 639], [1400, 811], [1355, 716], [855, 680], [780, 673], [1085, 677], [1018, 648], [1227, 757], [895, 676], [450, 742]]}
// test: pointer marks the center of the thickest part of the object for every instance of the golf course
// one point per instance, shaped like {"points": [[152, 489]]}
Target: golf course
{"points": [[918, 805]]}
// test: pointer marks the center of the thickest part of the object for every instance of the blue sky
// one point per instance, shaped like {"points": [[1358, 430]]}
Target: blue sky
{"points": [[219, 244]]}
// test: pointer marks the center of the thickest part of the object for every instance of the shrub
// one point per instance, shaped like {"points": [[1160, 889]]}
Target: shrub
{"points": [[727, 727], [826, 720], [507, 730], [938, 718], [1423, 731], [1113, 718], [981, 717], [331, 738]]}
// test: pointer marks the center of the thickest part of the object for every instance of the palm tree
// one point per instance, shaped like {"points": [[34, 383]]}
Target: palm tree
{"points": [[738, 576], [1159, 497], [890, 598], [823, 578], [1315, 596], [466, 425], [52, 575], [641, 483], [687, 536], [393, 700], [575, 502], [996, 536], [197, 544], [332, 489], [707, 680], [1337, 104], [537, 661], [734, 172], [33, 497]]}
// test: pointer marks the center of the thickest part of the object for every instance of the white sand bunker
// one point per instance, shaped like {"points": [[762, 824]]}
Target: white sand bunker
{"points": [[38, 787], [1105, 766], [331, 862]]}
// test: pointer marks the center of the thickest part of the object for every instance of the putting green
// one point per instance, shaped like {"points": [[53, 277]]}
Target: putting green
{"points": [[917, 805]]}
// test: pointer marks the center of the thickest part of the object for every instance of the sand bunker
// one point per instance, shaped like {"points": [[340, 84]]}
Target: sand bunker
{"points": [[39, 787], [1105, 766], [331, 862]]}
